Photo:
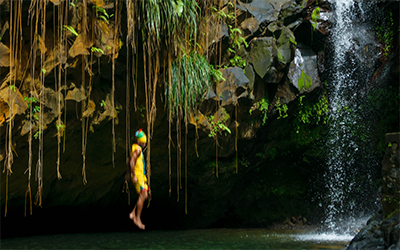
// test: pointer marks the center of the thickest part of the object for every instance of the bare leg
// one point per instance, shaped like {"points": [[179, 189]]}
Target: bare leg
{"points": [[139, 206], [132, 215]]}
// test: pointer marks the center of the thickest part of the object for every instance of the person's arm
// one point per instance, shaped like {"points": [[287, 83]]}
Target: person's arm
{"points": [[132, 163]]}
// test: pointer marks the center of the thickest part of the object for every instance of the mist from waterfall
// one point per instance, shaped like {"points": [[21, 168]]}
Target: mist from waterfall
{"points": [[350, 164]]}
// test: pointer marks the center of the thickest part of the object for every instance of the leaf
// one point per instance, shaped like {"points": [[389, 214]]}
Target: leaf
{"points": [[314, 25], [178, 7], [94, 49], [292, 40], [99, 9], [223, 127], [315, 14], [305, 81], [105, 19], [280, 57], [72, 30]]}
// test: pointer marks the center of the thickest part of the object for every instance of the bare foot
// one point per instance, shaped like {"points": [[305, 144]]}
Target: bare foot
{"points": [[139, 223], [132, 215]]}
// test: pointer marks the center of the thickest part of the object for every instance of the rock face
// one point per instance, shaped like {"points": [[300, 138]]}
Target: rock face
{"points": [[391, 174], [383, 230]]}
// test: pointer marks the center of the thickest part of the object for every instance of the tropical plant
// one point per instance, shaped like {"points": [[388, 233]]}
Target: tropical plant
{"points": [[191, 77], [71, 29], [35, 108], [305, 81], [262, 105], [385, 33], [281, 108]]}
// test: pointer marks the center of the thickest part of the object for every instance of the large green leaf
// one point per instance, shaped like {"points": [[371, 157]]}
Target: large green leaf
{"points": [[305, 81]]}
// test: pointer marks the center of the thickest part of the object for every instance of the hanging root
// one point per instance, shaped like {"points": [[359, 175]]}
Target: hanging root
{"points": [[28, 190], [126, 189]]}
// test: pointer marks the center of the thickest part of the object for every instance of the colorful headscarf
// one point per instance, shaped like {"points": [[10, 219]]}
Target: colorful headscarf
{"points": [[141, 136]]}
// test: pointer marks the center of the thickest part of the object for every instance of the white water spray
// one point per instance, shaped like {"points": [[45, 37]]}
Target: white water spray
{"points": [[349, 37]]}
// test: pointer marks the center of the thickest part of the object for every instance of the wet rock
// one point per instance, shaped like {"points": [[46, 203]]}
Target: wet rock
{"points": [[76, 94], [391, 174], [80, 46], [11, 102], [285, 93], [249, 26], [285, 45], [261, 55], [209, 104], [303, 70], [217, 31], [249, 72], [234, 87], [291, 13], [265, 11], [4, 55]]}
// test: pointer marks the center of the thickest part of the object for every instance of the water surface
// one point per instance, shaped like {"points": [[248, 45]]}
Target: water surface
{"points": [[188, 239]]}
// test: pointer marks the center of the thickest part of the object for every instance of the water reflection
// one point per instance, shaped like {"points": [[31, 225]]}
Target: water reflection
{"points": [[188, 239]]}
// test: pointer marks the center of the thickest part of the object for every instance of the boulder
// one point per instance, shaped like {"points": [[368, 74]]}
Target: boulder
{"points": [[303, 70], [264, 11], [234, 87], [285, 45], [261, 55]]}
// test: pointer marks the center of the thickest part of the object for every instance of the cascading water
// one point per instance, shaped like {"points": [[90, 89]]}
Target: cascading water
{"points": [[350, 165]]}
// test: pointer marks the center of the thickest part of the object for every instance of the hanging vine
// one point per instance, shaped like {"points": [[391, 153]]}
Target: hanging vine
{"points": [[187, 73]]}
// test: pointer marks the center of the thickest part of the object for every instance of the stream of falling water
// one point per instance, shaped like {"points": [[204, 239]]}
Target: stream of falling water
{"points": [[347, 179]]}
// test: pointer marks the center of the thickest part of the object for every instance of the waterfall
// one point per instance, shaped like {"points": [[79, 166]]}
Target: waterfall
{"points": [[349, 164]]}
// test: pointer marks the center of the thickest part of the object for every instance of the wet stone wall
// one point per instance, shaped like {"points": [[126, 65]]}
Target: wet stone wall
{"points": [[391, 174]]}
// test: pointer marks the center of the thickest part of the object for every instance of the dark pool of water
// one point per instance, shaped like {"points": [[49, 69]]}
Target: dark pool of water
{"points": [[188, 239]]}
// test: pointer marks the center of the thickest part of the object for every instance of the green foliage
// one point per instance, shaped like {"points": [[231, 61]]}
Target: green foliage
{"points": [[280, 57], [72, 30], [384, 103], [13, 88], [218, 126], [141, 110], [94, 49], [103, 103], [216, 74], [191, 77], [61, 126], [312, 113], [39, 132], [385, 33], [314, 17], [73, 4], [172, 18], [101, 13], [282, 109], [235, 38], [292, 40], [238, 61], [262, 105], [35, 108], [305, 81]]}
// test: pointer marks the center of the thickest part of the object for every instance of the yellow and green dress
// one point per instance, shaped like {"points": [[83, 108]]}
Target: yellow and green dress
{"points": [[140, 171]]}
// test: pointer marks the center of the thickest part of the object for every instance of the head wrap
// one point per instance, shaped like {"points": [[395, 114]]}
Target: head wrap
{"points": [[141, 136]]}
